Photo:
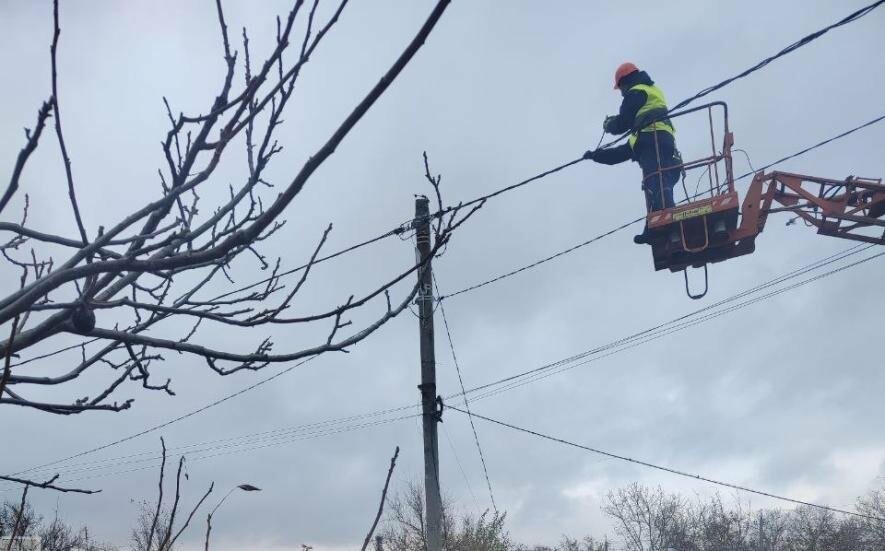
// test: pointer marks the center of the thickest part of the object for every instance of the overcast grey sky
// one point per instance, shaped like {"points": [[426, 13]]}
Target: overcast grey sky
{"points": [[784, 395]]}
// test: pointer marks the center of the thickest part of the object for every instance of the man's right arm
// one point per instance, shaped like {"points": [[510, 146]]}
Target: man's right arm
{"points": [[626, 117]]}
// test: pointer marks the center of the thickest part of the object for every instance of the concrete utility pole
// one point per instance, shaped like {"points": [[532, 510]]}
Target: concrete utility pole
{"points": [[428, 377]]}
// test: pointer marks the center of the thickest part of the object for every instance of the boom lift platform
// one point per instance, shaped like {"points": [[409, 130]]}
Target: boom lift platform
{"points": [[713, 225]]}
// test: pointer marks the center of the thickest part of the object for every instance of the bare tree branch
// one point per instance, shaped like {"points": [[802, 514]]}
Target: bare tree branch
{"points": [[156, 518], [47, 485], [61, 140], [18, 518], [383, 500], [154, 265], [22, 159]]}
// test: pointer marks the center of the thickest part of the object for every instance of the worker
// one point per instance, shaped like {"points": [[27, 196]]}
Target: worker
{"points": [[652, 142]]}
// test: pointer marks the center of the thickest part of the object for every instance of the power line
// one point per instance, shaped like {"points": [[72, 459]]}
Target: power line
{"points": [[221, 443], [668, 327], [272, 377], [262, 446], [638, 339], [466, 402], [171, 421], [465, 290], [461, 467], [230, 449], [787, 50], [399, 230], [541, 261], [54, 352], [817, 145], [510, 187], [536, 374], [671, 470], [625, 225], [396, 231]]}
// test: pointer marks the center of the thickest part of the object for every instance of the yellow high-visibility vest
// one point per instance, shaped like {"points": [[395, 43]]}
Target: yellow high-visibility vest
{"points": [[655, 108]]}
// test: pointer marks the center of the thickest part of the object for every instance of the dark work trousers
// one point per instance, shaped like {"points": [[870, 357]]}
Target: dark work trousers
{"points": [[657, 180]]}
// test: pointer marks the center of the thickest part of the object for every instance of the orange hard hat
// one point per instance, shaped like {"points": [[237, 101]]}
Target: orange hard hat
{"points": [[624, 69]]}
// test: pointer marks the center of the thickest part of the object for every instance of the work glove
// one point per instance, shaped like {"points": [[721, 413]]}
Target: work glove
{"points": [[588, 155], [607, 123]]}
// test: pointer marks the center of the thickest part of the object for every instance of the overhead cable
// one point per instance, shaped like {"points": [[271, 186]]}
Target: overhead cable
{"points": [[395, 231], [172, 421], [671, 326], [466, 402], [493, 388], [221, 443], [641, 218], [191, 458], [465, 290], [788, 49], [671, 470], [804, 41]]}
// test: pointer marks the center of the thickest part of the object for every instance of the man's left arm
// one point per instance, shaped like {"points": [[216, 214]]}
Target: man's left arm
{"points": [[611, 156]]}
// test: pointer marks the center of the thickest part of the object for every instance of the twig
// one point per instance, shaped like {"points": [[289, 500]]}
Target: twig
{"points": [[140, 255], [61, 139], [25, 153], [191, 515], [383, 499], [153, 530], [6, 362], [47, 485], [18, 517], [165, 543]]}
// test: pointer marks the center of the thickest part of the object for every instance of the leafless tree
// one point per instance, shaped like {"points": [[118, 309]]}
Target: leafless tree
{"points": [[158, 528], [771, 529], [19, 523], [587, 543], [58, 536], [872, 506], [144, 526], [649, 519], [119, 289], [811, 530], [404, 526], [715, 525]]}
